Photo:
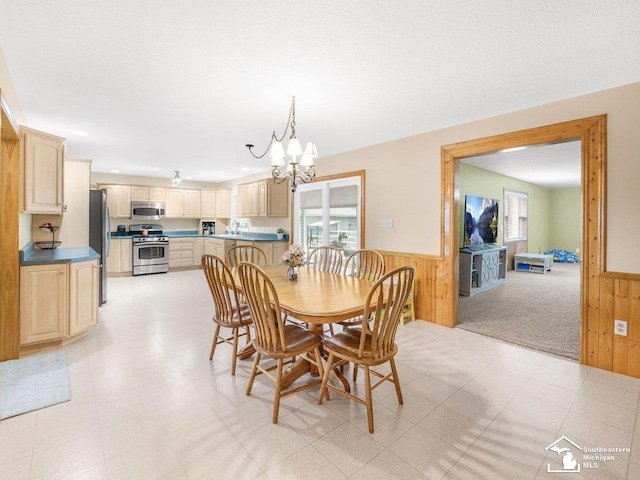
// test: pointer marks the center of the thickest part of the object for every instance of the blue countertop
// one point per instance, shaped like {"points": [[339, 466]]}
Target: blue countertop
{"points": [[251, 237], [33, 256]]}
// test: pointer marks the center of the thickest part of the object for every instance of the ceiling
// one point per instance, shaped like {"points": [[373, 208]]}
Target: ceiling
{"points": [[550, 166], [163, 85]]}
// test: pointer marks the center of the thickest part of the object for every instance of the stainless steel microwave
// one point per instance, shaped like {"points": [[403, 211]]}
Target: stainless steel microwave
{"points": [[147, 210]]}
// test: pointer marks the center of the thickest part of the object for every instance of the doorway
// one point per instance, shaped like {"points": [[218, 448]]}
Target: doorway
{"points": [[592, 133], [536, 193]]}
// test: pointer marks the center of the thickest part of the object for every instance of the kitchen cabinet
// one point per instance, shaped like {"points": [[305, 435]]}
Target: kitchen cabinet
{"points": [[147, 194], [223, 203], [183, 203], [120, 259], [198, 251], [57, 301], [272, 250], [218, 247], [208, 204], [43, 303], [83, 296], [263, 199], [182, 252], [118, 200], [43, 166]]}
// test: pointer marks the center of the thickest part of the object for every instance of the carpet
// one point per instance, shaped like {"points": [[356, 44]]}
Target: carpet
{"points": [[531, 309], [33, 382]]}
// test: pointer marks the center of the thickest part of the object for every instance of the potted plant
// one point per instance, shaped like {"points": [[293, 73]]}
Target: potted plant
{"points": [[280, 233]]}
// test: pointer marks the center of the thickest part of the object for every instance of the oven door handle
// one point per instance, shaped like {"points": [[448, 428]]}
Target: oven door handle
{"points": [[151, 244]]}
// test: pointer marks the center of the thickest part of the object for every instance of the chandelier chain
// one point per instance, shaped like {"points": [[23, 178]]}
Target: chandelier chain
{"points": [[291, 122]]}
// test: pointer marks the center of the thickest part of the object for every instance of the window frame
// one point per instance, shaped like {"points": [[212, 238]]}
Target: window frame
{"points": [[514, 193]]}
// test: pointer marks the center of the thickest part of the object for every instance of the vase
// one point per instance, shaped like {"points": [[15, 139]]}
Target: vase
{"points": [[292, 273]]}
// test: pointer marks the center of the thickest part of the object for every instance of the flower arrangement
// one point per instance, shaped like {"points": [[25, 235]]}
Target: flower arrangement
{"points": [[294, 256]]}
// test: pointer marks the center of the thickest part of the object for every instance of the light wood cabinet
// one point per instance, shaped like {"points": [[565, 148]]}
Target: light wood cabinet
{"points": [[120, 259], [57, 301], [43, 303], [181, 252], [278, 199], [208, 203], [139, 194], [217, 247], [147, 194], [277, 250], [43, 166], [183, 203], [198, 251], [83, 296], [118, 200], [223, 203], [263, 199]]}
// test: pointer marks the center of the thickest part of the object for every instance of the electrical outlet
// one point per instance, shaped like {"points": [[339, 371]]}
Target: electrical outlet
{"points": [[577, 250], [620, 328], [386, 222]]}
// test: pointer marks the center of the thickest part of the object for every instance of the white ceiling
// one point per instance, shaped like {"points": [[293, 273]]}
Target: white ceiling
{"points": [[550, 166], [165, 85]]}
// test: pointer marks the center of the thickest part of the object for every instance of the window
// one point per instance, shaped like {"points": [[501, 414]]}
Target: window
{"points": [[328, 213], [515, 216]]}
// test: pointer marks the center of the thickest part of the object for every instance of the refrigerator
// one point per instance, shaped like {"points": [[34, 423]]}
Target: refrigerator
{"points": [[99, 234]]}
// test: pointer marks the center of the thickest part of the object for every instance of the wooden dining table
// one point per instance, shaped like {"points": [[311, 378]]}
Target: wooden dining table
{"points": [[317, 298]]}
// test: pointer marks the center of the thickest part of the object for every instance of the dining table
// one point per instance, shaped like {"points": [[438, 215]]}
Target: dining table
{"points": [[316, 298]]}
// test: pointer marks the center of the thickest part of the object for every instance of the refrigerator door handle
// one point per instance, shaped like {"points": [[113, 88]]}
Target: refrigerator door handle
{"points": [[108, 233]]}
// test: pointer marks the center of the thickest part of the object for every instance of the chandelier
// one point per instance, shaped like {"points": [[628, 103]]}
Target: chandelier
{"points": [[300, 167], [175, 181]]}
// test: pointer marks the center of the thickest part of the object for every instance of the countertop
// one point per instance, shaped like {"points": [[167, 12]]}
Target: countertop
{"points": [[33, 256], [250, 236]]}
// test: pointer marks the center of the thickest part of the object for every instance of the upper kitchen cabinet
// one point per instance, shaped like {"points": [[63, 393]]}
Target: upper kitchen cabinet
{"points": [[223, 203], [263, 199], [150, 194], [118, 200], [208, 204], [43, 160], [183, 203]]}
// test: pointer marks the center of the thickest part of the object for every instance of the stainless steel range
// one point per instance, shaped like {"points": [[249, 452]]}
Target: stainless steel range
{"points": [[150, 249]]}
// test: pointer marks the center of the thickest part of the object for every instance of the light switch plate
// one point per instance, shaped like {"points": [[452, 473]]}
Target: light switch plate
{"points": [[386, 223]]}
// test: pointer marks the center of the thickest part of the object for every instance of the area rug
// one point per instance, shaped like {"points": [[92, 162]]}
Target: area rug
{"points": [[531, 309], [33, 382]]}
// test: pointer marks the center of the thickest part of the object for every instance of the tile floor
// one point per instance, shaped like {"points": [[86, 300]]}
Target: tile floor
{"points": [[147, 403]]}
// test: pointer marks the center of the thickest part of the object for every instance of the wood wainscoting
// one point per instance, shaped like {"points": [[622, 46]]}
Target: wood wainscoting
{"points": [[619, 296], [428, 286]]}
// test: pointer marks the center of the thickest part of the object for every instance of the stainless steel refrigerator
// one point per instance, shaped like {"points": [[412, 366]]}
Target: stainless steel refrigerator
{"points": [[99, 234]]}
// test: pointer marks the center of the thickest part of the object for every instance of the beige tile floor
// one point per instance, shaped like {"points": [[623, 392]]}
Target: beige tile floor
{"points": [[147, 403]]}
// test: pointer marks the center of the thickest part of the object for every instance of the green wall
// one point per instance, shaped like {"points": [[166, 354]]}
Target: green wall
{"points": [[482, 183], [564, 218]]}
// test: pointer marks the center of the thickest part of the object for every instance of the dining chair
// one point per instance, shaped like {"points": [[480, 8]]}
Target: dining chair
{"points": [[274, 339], [246, 253], [326, 259], [372, 344], [365, 264], [229, 311]]}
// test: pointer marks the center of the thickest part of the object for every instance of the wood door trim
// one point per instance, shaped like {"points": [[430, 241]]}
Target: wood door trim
{"points": [[592, 132]]}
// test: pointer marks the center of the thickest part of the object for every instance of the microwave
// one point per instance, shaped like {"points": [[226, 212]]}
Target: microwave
{"points": [[147, 210]]}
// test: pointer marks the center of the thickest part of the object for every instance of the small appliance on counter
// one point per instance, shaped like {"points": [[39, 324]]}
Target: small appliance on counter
{"points": [[122, 230], [208, 228]]}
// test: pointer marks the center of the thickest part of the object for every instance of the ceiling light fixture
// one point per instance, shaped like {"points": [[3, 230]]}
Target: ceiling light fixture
{"points": [[298, 169], [175, 181]]}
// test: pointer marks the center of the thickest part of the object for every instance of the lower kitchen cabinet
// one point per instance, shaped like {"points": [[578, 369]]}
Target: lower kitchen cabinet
{"points": [[57, 302], [120, 259], [185, 252]]}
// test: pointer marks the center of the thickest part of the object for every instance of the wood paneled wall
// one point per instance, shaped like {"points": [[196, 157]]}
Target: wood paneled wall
{"points": [[428, 287], [9, 207]]}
